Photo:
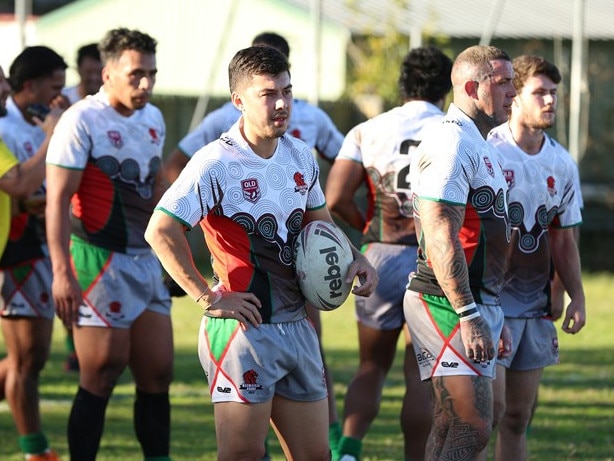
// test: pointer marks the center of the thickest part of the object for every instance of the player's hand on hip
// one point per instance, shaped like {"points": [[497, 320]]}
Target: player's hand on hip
{"points": [[67, 297], [477, 338], [367, 276], [241, 306]]}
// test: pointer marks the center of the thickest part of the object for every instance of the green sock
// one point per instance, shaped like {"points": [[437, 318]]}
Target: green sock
{"points": [[70, 343], [350, 446], [33, 443], [334, 435]]}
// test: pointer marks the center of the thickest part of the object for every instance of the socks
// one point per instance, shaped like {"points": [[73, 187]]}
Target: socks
{"points": [[152, 424], [334, 435], [350, 446], [85, 425], [33, 444]]}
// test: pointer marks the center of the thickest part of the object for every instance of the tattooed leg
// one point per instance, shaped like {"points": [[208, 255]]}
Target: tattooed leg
{"points": [[462, 417]]}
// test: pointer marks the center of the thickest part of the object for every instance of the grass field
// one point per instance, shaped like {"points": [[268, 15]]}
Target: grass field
{"points": [[574, 421]]}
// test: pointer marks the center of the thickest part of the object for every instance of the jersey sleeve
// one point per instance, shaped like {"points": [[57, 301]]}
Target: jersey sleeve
{"points": [[329, 138], [71, 141], [569, 212], [441, 171], [350, 149]]}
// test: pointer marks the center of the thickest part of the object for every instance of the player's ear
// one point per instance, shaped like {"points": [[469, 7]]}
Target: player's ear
{"points": [[106, 74], [237, 101], [471, 88]]}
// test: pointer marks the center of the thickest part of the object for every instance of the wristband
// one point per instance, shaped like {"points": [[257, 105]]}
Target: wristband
{"points": [[468, 312], [217, 295]]}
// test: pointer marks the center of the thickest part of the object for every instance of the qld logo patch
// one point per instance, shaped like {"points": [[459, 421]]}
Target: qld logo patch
{"points": [[489, 167], [116, 138], [251, 190], [509, 178]]}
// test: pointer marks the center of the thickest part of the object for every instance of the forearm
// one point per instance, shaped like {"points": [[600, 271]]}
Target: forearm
{"points": [[167, 238], [57, 224], [350, 214], [440, 227], [566, 259]]}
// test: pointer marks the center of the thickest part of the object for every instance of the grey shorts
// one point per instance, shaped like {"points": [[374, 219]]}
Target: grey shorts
{"points": [[534, 344], [383, 310], [26, 291], [117, 287], [434, 328], [253, 365]]}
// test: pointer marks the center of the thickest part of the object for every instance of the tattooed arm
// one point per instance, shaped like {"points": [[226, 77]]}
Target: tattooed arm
{"points": [[441, 223]]}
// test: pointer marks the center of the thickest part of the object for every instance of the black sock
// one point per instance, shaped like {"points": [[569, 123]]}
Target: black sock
{"points": [[85, 425], [152, 423]]}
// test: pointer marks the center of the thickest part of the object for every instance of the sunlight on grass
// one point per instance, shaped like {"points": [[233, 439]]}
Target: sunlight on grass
{"points": [[573, 421]]}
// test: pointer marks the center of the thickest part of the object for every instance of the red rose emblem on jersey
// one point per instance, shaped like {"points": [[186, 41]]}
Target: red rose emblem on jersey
{"points": [[299, 181], [551, 186], [154, 136]]}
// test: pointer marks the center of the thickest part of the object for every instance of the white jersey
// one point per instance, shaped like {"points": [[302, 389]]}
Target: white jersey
{"points": [[542, 193], [251, 210], [27, 237], [72, 93], [120, 157], [455, 165], [22, 138], [384, 146], [307, 122]]}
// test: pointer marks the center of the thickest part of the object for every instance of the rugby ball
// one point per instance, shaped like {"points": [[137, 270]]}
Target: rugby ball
{"points": [[322, 256]]}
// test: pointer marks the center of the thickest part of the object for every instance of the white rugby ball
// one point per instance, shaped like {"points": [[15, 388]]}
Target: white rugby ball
{"points": [[322, 256]]}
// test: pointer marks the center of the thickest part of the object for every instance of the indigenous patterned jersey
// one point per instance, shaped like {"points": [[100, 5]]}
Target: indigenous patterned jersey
{"points": [[27, 234], [7, 162], [455, 165], [542, 193], [384, 145], [120, 157], [251, 210], [308, 123]]}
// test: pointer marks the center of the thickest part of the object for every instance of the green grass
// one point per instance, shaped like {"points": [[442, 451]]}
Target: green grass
{"points": [[574, 419]]}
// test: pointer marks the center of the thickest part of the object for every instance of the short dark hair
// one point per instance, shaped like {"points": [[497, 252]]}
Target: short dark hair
{"points": [[116, 41], [425, 74], [274, 40], [528, 66], [32, 63], [256, 60], [88, 51]]}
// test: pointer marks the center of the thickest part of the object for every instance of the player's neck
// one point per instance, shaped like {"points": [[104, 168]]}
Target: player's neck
{"points": [[530, 140]]}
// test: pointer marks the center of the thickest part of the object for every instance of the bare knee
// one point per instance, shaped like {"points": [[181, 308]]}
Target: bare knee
{"points": [[517, 419]]}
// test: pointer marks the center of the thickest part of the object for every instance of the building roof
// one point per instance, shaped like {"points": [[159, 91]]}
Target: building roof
{"points": [[471, 18]]}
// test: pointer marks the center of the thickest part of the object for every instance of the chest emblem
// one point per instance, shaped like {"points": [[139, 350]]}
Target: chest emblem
{"points": [[300, 185], [251, 190], [550, 182], [116, 138], [509, 178]]}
